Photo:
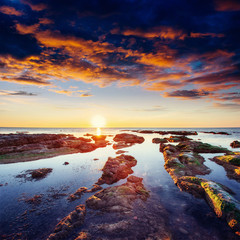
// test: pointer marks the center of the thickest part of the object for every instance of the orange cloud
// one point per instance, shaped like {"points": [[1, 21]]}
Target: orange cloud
{"points": [[35, 7], [10, 11], [229, 5]]}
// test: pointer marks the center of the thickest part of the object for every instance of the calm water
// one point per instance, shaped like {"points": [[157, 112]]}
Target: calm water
{"points": [[188, 217]]}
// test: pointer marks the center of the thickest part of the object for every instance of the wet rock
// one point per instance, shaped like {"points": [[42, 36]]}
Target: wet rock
{"points": [[95, 188], [235, 144], [118, 198], [40, 173], [223, 204], [117, 168], [120, 152], [219, 133], [26, 147], [217, 196], [67, 224], [77, 194], [178, 138], [37, 199], [182, 162], [159, 140], [231, 164], [128, 138], [83, 236], [200, 147]]}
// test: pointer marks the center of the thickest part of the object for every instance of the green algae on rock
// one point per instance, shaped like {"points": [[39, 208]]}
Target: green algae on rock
{"points": [[217, 196], [231, 164], [182, 162]]}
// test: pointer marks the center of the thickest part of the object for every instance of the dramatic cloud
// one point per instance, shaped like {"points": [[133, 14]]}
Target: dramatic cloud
{"points": [[186, 94], [10, 11], [158, 45]]}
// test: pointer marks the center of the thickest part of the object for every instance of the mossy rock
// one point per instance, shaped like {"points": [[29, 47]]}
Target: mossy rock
{"points": [[231, 159], [208, 148]]}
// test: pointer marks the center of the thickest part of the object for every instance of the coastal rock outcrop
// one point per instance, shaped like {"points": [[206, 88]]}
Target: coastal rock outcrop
{"points": [[182, 161], [219, 133], [119, 198], [117, 168], [235, 144], [126, 140], [27, 147], [217, 196], [184, 133], [231, 163], [67, 224]]}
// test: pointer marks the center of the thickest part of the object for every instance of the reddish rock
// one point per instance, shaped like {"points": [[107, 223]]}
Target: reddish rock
{"points": [[77, 194], [235, 144], [117, 168], [118, 198], [128, 138], [120, 152], [66, 225], [65, 163], [37, 199], [95, 188], [83, 236]]}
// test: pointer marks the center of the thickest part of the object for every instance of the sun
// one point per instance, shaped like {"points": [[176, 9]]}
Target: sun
{"points": [[98, 121]]}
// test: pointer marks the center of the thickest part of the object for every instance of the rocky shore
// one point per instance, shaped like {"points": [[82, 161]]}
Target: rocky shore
{"points": [[183, 163], [28, 147]]}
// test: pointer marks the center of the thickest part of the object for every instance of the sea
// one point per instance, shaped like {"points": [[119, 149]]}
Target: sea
{"points": [[185, 216]]}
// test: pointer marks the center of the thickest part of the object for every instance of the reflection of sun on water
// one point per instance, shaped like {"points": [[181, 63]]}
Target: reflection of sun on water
{"points": [[98, 131], [98, 122]]}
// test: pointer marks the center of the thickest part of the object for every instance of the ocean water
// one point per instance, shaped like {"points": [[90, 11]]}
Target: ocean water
{"points": [[187, 216]]}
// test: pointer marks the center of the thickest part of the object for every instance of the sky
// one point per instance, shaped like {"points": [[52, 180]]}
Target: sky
{"points": [[137, 63]]}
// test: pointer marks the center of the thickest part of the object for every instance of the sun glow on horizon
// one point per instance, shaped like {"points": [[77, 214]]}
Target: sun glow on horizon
{"points": [[98, 121]]}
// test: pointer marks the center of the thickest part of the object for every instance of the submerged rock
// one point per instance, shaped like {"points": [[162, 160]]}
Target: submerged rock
{"points": [[36, 174], [77, 194], [40, 173], [119, 198], [117, 168], [83, 236], [235, 144], [217, 196], [67, 224]]}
